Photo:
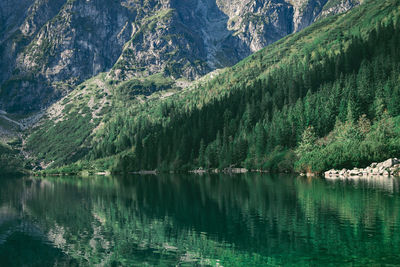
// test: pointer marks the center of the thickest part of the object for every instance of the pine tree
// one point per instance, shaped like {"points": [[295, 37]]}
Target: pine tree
{"points": [[202, 151], [307, 143]]}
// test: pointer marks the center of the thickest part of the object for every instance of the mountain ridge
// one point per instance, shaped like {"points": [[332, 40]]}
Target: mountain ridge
{"points": [[50, 47], [266, 97]]}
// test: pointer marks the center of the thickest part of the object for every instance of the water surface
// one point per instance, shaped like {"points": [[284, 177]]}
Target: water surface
{"points": [[189, 220]]}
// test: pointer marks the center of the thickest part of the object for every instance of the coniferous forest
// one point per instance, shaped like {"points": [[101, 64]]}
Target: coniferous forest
{"points": [[343, 104], [111, 156], [326, 97]]}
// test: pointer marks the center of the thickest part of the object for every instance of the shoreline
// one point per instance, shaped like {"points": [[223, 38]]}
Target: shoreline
{"points": [[388, 168]]}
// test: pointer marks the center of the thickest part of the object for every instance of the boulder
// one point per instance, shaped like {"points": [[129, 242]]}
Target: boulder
{"points": [[332, 172], [389, 163], [386, 168], [239, 170], [354, 172]]}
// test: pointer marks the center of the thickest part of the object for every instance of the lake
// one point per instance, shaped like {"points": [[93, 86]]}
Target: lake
{"points": [[193, 220]]}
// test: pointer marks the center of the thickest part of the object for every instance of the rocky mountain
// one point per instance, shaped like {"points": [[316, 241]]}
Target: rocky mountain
{"points": [[325, 97], [48, 47]]}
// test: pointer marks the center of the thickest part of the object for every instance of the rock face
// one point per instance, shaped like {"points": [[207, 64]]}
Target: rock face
{"points": [[49, 46], [390, 167]]}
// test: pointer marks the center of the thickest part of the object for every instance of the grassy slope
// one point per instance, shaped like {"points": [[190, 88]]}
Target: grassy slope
{"points": [[70, 139], [65, 133]]}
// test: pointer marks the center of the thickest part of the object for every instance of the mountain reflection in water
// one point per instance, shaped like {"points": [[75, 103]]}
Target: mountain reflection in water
{"points": [[240, 220]]}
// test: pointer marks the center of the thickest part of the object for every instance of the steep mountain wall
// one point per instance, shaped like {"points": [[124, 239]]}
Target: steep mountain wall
{"points": [[48, 47]]}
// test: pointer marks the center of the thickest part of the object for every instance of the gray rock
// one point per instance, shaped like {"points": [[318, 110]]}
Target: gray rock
{"points": [[48, 47], [390, 167], [354, 172], [389, 163]]}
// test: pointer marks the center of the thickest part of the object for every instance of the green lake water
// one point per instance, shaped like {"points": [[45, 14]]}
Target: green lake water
{"points": [[191, 220]]}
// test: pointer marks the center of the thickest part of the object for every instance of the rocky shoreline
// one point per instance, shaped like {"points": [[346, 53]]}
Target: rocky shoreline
{"points": [[390, 167], [229, 170]]}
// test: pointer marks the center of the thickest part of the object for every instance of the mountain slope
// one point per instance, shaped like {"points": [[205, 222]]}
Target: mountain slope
{"points": [[249, 115], [11, 161], [49, 47]]}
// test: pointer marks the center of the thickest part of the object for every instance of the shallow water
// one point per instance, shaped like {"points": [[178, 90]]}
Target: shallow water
{"points": [[189, 220]]}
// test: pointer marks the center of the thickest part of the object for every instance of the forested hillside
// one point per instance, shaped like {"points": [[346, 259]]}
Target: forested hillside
{"points": [[11, 162], [325, 97]]}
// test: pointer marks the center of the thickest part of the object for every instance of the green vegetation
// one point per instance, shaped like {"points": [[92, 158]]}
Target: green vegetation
{"points": [[146, 86], [351, 144], [337, 76], [333, 3], [11, 161], [161, 16], [40, 52], [65, 146]]}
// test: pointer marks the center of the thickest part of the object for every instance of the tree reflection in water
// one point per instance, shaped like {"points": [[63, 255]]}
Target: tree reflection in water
{"points": [[236, 220]]}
